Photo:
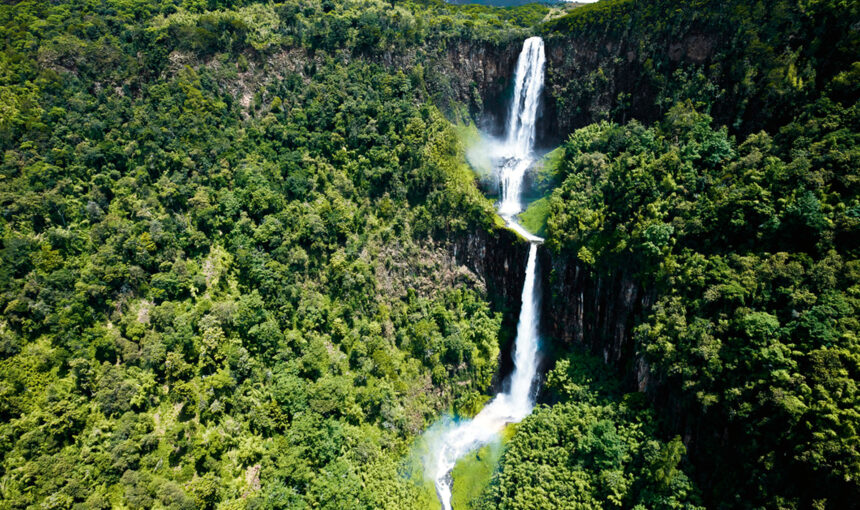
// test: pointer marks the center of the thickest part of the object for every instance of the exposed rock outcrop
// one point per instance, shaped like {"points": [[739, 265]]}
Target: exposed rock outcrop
{"points": [[608, 76], [499, 257], [598, 313], [484, 73], [595, 312]]}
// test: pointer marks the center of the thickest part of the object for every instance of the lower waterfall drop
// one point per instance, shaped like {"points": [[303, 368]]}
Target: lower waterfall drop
{"points": [[517, 402]]}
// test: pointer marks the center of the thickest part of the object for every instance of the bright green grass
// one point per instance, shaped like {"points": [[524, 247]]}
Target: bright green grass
{"points": [[499, 221], [473, 473], [428, 499], [547, 169], [413, 469], [552, 159], [534, 217]]}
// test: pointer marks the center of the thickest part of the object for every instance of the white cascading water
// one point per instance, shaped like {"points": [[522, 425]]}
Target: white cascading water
{"points": [[517, 402], [518, 156]]}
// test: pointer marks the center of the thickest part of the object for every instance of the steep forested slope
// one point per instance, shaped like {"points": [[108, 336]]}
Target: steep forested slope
{"points": [[225, 276], [596, 446], [227, 238], [751, 252], [718, 273]]}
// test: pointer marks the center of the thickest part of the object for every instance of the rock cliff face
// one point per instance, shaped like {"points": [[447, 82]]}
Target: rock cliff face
{"points": [[598, 314], [478, 75], [608, 76], [500, 258], [595, 312], [484, 79], [589, 77]]}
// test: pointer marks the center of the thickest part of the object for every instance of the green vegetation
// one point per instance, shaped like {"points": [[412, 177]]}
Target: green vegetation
{"points": [[473, 473], [547, 171], [752, 249], [223, 279], [748, 245], [752, 65], [535, 216], [595, 447], [477, 155], [546, 178], [226, 275]]}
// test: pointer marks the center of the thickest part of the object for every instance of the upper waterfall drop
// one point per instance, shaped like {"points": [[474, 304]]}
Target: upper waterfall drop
{"points": [[518, 400], [528, 86], [519, 143]]}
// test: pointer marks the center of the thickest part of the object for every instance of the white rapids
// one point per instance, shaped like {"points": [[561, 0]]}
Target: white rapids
{"points": [[517, 401]]}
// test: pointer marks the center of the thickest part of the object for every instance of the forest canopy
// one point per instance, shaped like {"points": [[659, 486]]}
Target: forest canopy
{"points": [[231, 265]]}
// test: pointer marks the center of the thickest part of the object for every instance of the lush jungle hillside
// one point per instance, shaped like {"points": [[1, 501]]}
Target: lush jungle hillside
{"points": [[226, 277], [244, 264], [749, 250], [732, 252]]}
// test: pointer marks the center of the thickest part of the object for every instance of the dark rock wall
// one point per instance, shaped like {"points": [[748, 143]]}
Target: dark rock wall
{"points": [[598, 314], [595, 312], [462, 72], [480, 76], [499, 257], [588, 78], [607, 76]]}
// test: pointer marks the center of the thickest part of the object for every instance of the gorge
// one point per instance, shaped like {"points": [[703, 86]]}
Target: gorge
{"points": [[248, 261], [517, 399]]}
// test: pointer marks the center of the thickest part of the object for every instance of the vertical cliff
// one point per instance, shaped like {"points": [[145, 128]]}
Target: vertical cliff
{"points": [[613, 75], [595, 312], [482, 76], [752, 65], [499, 257], [598, 313]]}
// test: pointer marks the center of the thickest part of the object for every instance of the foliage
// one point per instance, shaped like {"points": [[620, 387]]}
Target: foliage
{"points": [[224, 275], [594, 448], [535, 215], [751, 249], [545, 177], [474, 472], [751, 65]]}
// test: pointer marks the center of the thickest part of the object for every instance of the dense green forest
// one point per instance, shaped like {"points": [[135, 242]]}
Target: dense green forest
{"points": [[752, 250], [226, 269], [596, 447], [216, 299], [749, 243]]}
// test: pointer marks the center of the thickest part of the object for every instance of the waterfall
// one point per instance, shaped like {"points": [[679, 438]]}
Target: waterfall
{"points": [[517, 158], [528, 85], [517, 401]]}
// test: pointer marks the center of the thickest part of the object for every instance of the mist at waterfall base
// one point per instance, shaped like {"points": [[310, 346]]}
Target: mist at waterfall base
{"points": [[510, 406], [449, 440]]}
